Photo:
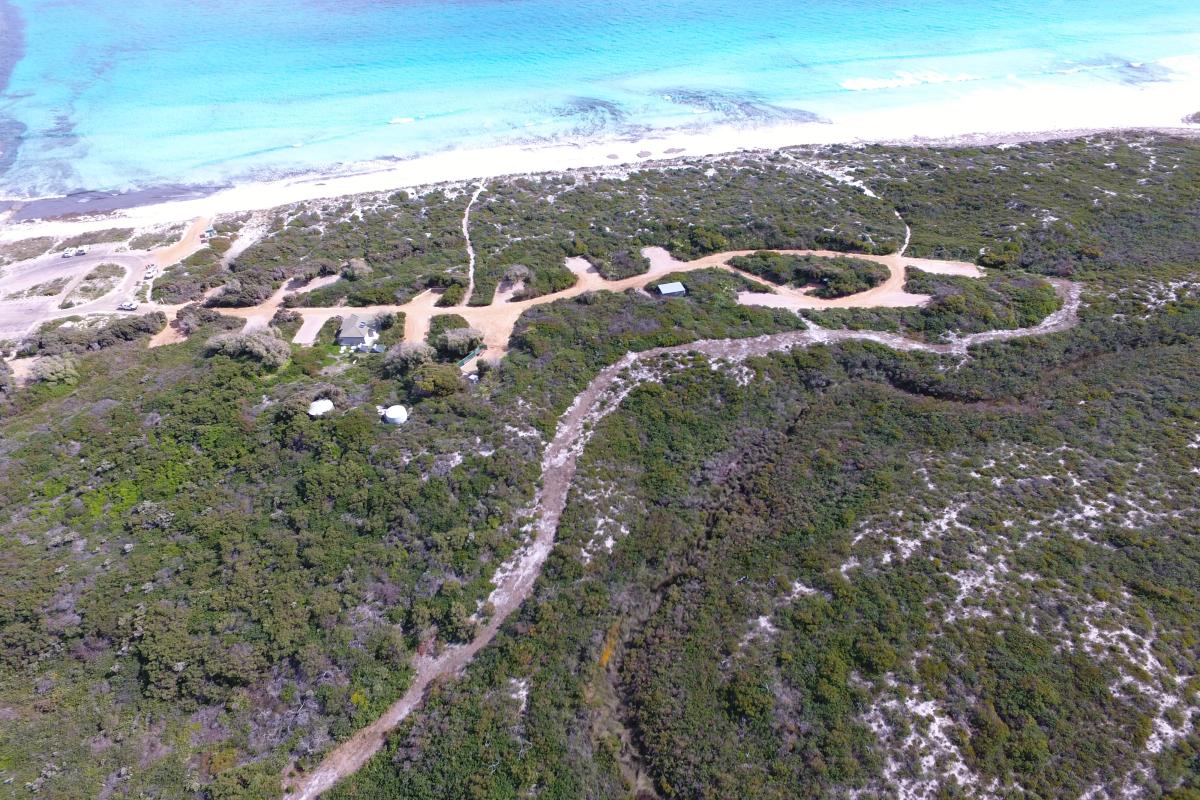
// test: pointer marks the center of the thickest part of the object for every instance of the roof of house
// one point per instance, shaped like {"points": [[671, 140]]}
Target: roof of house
{"points": [[354, 326], [671, 288]]}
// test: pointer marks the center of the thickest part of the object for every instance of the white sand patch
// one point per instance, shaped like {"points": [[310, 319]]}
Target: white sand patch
{"points": [[800, 590], [922, 764], [519, 691]]}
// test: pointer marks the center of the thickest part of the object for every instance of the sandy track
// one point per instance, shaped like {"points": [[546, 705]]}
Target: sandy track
{"points": [[466, 229], [20, 317], [497, 320], [188, 244], [515, 579]]}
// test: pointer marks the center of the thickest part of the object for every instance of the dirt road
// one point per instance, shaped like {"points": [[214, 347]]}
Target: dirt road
{"points": [[19, 317], [497, 320], [515, 579]]}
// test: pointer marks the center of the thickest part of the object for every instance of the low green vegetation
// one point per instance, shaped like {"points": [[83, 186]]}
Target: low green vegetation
{"points": [[262, 348], [409, 243], [452, 296], [97, 283], [442, 323], [787, 585], [1072, 207], [160, 237], [557, 348], [95, 237], [958, 306], [80, 334], [838, 570], [692, 210], [191, 278], [47, 289], [23, 249], [829, 277], [180, 455]]}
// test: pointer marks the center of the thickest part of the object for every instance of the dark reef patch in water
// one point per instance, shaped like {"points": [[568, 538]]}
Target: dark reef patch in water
{"points": [[743, 107], [12, 41], [102, 202], [11, 134], [63, 132], [589, 116], [12, 50]]}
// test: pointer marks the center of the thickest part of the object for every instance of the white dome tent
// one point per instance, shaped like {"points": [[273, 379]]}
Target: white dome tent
{"points": [[395, 415], [320, 407]]}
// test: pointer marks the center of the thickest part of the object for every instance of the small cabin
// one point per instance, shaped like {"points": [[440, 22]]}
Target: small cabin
{"points": [[673, 289], [357, 331]]}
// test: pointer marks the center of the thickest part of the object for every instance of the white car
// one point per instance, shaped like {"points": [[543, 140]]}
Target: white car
{"points": [[128, 305]]}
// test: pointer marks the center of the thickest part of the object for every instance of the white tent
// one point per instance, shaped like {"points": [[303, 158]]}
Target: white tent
{"points": [[395, 415], [321, 407]]}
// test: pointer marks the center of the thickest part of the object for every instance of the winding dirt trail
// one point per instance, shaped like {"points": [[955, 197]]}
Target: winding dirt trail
{"points": [[466, 229], [515, 579], [496, 321]]}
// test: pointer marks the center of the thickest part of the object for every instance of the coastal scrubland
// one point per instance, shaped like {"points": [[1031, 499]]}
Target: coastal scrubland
{"points": [[845, 569], [95, 284], [390, 248], [958, 306], [828, 277]]}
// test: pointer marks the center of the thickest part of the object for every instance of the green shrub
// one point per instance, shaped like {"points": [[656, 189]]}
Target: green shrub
{"points": [[261, 347], [831, 277], [452, 296], [436, 380]]}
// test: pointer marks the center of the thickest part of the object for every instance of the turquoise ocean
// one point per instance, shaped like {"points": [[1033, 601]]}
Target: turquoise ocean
{"points": [[127, 94]]}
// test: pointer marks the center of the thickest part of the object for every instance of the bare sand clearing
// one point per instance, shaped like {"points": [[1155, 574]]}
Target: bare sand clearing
{"points": [[186, 246], [496, 321], [515, 579]]}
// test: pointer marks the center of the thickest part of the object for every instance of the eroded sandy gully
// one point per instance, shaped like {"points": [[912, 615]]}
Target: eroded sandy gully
{"points": [[515, 579]]}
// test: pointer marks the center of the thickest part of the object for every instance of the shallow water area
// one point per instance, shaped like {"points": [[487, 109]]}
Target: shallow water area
{"points": [[144, 93]]}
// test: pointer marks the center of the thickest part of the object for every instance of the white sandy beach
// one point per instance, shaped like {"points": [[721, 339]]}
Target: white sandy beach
{"points": [[976, 116]]}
